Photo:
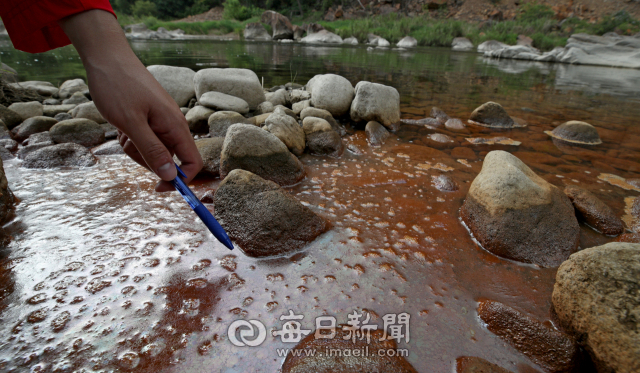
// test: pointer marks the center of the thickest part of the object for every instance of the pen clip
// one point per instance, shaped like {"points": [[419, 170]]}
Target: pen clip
{"points": [[180, 172]]}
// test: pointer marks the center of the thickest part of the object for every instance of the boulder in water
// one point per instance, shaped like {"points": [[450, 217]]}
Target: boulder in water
{"points": [[39, 138], [516, 214], [461, 44], [262, 218], [224, 102], [281, 26], [287, 130], [177, 81], [198, 119], [491, 45], [576, 132], [322, 37], [444, 183], [321, 138], [34, 125], [407, 42], [6, 197], [4, 131], [376, 133], [331, 92], [256, 31], [595, 298], [210, 150], [42, 88], [321, 113], [61, 155], [594, 212], [376, 102], [84, 132], [241, 83], [219, 122], [492, 115]]}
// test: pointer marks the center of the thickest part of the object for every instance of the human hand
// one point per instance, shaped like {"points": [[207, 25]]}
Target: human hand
{"points": [[151, 127]]}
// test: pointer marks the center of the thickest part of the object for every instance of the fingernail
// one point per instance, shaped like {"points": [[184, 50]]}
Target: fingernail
{"points": [[167, 172]]}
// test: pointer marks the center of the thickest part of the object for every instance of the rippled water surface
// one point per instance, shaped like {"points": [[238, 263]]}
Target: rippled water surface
{"points": [[102, 273]]}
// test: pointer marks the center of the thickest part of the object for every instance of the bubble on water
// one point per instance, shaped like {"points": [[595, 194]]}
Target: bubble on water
{"points": [[128, 360]]}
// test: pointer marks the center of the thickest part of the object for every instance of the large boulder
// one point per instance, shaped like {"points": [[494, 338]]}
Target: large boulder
{"points": [[407, 42], [219, 122], [42, 88], [331, 92], [241, 83], [70, 87], [210, 150], [256, 31], [376, 102], [253, 149], [516, 214], [281, 26], [224, 102], [88, 111], [177, 81], [27, 110], [461, 44], [6, 197], [198, 118], [84, 132], [9, 117], [321, 138], [61, 155], [593, 211], [34, 125], [322, 37], [595, 297], [287, 130], [262, 218]]}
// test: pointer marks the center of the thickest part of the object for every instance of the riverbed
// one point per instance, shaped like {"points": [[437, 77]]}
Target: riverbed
{"points": [[131, 270]]}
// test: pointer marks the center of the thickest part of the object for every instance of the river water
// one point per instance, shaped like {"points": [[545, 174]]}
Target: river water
{"points": [[102, 273]]}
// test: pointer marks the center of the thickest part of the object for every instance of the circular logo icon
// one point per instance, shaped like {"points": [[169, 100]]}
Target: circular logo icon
{"points": [[252, 333]]}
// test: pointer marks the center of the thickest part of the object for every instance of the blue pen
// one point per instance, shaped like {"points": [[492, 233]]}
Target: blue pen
{"points": [[201, 210]]}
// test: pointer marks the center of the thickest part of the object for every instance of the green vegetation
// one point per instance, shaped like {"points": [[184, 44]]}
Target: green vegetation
{"points": [[143, 8], [234, 10]]}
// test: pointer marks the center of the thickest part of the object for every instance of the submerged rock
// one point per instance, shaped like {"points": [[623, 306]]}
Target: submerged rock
{"points": [[253, 149], [84, 132], [321, 362], [177, 81], [61, 155], [331, 92], [439, 114], [594, 212], [576, 132], [241, 83], [376, 133], [198, 119], [595, 297], [493, 115], [321, 138], [516, 214], [287, 130], [108, 148], [547, 347], [376, 102], [225, 102], [27, 110], [444, 183], [454, 124], [210, 150], [88, 111], [262, 218], [219, 122], [468, 364], [6, 197], [34, 125]]}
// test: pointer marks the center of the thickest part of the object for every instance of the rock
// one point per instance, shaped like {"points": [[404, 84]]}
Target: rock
{"points": [[454, 124], [110, 131], [5, 154], [62, 116], [177, 81], [6, 197], [259, 120], [264, 108], [298, 32], [297, 95], [54, 110], [331, 92], [84, 132], [262, 218], [256, 31], [42, 88], [407, 42], [322, 37], [321, 113], [350, 40], [108, 148], [184, 110], [525, 40], [516, 214], [519, 52], [76, 99], [51, 101], [25, 150], [286, 110], [70, 87], [444, 183], [576, 132], [287, 130], [278, 97], [219, 122], [4, 131], [9, 144], [441, 138], [9, 117], [34, 125], [61, 155], [377, 41], [491, 45], [321, 362], [594, 212], [281, 26], [321, 138], [39, 138], [548, 348], [27, 110], [88, 111], [376, 133], [224, 102], [208, 196], [376, 102], [595, 298], [210, 150], [8, 74], [467, 364], [198, 119], [461, 44], [635, 208], [439, 114], [492, 115], [241, 83], [298, 107], [253, 149]]}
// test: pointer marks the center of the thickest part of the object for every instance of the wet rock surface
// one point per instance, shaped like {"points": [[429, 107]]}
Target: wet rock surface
{"points": [[287, 130], [253, 149], [263, 219], [61, 155], [348, 364], [593, 211], [321, 138], [467, 364], [376, 102], [547, 347], [595, 298], [444, 183], [516, 214], [80, 131], [376, 133], [34, 125], [210, 150], [108, 148], [492, 114], [6, 197], [576, 132]]}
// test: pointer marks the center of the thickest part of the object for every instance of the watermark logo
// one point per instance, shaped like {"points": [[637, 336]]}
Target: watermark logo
{"points": [[252, 333]]}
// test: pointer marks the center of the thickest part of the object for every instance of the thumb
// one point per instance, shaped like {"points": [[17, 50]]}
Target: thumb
{"points": [[154, 153]]}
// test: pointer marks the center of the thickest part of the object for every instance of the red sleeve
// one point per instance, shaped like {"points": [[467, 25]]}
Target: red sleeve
{"points": [[32, 24]]}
